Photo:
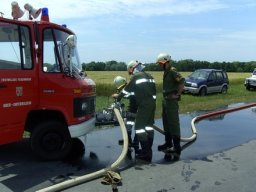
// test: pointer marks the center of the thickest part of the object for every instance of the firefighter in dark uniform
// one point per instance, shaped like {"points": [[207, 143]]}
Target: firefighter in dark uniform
{"points": [[142, 86], [173, 84], [120, 82]]}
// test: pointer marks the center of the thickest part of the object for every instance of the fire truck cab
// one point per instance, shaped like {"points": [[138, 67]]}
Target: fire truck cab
{"points": [[43, 91]]}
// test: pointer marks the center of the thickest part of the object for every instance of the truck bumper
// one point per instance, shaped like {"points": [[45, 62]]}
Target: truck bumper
{"points": [[253, 85], [191, 90], [82, 128]]}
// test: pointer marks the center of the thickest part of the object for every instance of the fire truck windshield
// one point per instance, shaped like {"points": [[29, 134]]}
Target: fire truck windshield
{"points": [[60, 53], [70, 57]]}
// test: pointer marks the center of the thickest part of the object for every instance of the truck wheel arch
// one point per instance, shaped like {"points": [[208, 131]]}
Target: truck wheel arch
{"points": [[35, 117]]}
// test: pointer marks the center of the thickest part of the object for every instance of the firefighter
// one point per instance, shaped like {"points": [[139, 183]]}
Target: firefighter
{"points": [[173, 84], [120, 82], [142, 86]]}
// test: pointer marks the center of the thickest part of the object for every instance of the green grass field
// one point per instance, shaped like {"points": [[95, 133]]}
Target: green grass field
{"points": [[107, 77], [236, 93]]}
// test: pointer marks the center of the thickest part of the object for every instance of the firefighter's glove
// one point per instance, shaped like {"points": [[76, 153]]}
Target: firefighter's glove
{"points": [[106, 181], [111, 178]]}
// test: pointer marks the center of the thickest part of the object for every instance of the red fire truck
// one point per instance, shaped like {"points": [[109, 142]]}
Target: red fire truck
{"points": [[43, 91]]}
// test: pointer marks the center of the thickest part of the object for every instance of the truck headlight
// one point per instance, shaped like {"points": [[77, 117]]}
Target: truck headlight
{"points": [[84, 106], [193, 84]]}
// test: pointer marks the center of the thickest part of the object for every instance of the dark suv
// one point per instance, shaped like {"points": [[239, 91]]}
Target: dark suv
{"points": [[204, 81]]}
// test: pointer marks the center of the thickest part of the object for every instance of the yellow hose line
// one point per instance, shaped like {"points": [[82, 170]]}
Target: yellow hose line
{"points": [[207, 115], [182, 138], [91, 176]]}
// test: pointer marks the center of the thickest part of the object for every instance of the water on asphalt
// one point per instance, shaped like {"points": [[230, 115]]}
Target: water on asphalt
{"points": [[214, 134]]}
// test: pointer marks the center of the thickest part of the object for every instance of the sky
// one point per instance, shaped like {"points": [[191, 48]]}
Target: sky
{"points": [[124, 30]]}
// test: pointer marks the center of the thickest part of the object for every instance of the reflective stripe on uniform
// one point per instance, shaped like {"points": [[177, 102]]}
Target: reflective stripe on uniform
{"points": [[154, 97], [139, 81], [149, 128], [140, 131], [130, 122], [127, 94]]}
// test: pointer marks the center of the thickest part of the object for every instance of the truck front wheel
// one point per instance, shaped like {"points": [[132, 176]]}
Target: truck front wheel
{"points": [[51, 140], [203, 91]]}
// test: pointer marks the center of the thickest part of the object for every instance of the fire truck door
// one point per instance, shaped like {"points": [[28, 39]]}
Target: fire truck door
{"points": [[17, 97], [18, 81]]}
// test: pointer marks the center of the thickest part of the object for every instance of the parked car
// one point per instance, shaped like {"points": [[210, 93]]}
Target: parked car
{"points": [[250, 82], [205, 81]]}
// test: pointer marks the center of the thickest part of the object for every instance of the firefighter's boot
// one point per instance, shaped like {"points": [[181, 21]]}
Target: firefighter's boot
{"points": [[167, 144], [176, 148], [146, 152]]}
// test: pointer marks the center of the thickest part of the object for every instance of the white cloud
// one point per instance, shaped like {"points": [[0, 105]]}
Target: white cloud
{"points": [[93, 8]]}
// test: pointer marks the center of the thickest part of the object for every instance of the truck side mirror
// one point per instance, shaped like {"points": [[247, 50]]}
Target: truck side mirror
{"points": [[71, 41]]}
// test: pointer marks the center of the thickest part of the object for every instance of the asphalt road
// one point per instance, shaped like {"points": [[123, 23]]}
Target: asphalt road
{"points": [[231, 170], [221, 159]]}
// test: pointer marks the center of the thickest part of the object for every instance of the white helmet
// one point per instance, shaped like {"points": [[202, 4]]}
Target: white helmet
{"points": [[163, 58], [119, 81], [134, 66]]}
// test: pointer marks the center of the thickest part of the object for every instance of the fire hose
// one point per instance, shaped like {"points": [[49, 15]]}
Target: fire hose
{"points": [[97, 174], [204, 116], [193, 137]]}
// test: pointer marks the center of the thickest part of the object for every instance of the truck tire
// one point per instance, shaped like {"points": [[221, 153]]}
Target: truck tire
{"points": [[77, 151], [51, 140], [203, 91], [224, 90]]}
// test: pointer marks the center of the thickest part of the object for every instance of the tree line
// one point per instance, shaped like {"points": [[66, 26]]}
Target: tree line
{"points": [[181, 65]]}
